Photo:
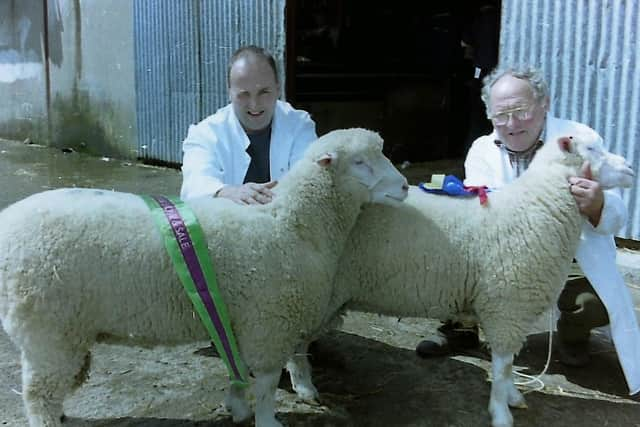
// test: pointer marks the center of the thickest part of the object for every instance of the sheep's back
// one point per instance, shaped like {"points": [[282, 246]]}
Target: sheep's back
{"points": [[402, 260], [267, 271], [86, 259], [439, 255]]}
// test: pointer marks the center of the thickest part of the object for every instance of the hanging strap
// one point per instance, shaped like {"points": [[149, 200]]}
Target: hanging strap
{"points": [[186, 245]]}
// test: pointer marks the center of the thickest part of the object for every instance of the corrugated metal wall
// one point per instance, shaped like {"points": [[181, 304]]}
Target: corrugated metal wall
{"points": [[588, 51], [182, 48], [225, 26]]}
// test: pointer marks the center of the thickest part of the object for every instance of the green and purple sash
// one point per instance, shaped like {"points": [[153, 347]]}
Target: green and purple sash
{"points": [[186, 245]]}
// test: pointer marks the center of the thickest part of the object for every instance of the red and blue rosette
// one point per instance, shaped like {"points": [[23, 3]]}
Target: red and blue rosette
{"points": [[451, 185]]}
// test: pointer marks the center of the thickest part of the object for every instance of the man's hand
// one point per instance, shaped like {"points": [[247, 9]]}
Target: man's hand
{"points": [[588, 195], [249, 193]]}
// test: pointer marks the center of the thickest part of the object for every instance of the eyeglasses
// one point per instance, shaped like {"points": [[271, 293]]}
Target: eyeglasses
{"points": [[520, 113]]}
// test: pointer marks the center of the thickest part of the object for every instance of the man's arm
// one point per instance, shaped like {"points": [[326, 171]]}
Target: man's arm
{"points": [[305, 134], [202, 171], [604, 210], [477, 170], [614, 213], [249, 193]]}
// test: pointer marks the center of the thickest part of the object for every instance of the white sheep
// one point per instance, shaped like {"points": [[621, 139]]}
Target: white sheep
{"points": [[448, 258], [81, 265]]}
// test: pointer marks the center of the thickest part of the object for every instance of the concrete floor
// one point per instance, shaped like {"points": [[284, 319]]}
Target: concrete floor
{"points": [[28, 168]]}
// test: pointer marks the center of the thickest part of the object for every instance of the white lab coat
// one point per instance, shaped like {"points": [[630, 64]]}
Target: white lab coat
{"points": [[215, 149], [488, 164]]}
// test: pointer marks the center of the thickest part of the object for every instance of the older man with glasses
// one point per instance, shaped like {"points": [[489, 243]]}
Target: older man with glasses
{"points": [[517, 103]]}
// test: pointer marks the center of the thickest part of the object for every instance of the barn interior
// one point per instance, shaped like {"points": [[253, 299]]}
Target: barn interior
{"points": [[405, 69]]}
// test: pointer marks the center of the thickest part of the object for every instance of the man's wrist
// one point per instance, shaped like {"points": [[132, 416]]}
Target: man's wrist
{"points": [[595, 216]]}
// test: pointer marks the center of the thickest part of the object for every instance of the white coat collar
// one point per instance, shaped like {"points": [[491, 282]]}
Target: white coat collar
{"points": [[499, 156], [237, 131], [239, 134]]}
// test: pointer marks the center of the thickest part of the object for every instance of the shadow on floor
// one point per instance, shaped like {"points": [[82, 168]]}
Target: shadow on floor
{"points": [[364, 382]]}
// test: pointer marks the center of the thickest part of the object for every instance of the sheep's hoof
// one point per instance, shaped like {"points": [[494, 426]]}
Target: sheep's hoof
{"points": [[502, 422], [517, 401], [519, 405], [501, 417], [240, 410], [308, 394], [244, 419], [311, 402]]}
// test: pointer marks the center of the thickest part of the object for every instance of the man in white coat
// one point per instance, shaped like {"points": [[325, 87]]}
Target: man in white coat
{"points": [[595, 295], [243, 149]]}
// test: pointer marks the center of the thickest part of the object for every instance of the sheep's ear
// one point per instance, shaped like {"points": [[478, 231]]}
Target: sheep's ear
{"points": [[326, 159], [565, 143]]}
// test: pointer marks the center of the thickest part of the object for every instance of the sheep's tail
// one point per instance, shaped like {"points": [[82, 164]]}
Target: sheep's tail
{"points": [[4, 292], [4, 270]]}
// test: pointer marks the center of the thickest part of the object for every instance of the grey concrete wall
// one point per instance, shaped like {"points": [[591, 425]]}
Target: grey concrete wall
{"points": [[93, 89], [23, 109], [84, 95]]}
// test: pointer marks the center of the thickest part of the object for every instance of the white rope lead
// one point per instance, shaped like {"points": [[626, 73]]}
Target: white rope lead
{"points": [[530, 379]]}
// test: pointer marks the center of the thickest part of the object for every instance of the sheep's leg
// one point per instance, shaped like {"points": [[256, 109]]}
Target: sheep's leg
{"points": [[236, 402], [43, 408], [265, 392], [48, 375], [501, 389], [516, 399], [300, 373]]}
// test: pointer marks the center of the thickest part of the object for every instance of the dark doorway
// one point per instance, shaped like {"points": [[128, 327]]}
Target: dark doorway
{"points": [[400, 68]]}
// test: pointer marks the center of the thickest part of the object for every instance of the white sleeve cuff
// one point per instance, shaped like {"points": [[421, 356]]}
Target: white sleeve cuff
{"points": [[614, 214]]}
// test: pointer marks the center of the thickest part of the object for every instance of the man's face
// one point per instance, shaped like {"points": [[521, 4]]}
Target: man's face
{"points": [[253, 92], [516, 116]]}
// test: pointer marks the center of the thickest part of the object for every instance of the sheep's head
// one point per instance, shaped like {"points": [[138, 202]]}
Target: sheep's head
{"points": [[609, 169], [356, 156]]}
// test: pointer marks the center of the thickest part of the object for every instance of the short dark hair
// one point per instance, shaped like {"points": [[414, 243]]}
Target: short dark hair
{"points": [[252, 50]]}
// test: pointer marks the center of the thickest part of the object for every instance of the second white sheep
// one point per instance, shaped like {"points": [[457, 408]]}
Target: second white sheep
{"points": [[448, 258]]}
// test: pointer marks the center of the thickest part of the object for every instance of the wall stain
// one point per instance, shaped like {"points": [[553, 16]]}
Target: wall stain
{"points": [[86, 125], [76, 117], [20, 128], [77, 14]]}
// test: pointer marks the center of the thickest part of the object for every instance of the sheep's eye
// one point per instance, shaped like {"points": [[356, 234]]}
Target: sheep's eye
{"points": [[359, 162]]}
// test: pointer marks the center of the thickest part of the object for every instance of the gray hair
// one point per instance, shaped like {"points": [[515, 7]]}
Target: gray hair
{"points": [[532, 75]]}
